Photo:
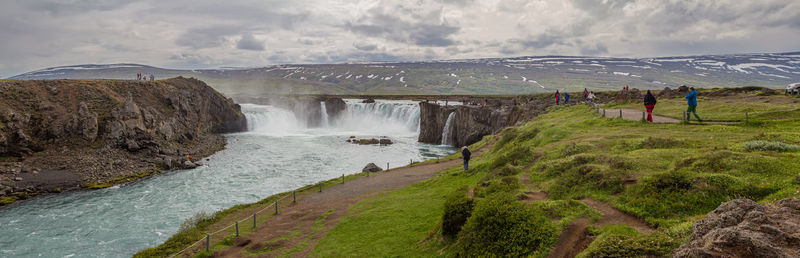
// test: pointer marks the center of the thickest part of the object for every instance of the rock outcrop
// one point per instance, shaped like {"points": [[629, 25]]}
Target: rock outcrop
{"points": [[744, 228], [334, 107], [472, 122], [371, 167], [98, 131]]}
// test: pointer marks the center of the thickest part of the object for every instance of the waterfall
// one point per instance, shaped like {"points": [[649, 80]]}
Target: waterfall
{"points": [[324, 114], [447, 138], [382, 118]]}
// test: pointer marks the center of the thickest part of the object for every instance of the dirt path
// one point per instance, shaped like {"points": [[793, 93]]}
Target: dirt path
{"points": [[573, 240], [299, 226], [612, 216]]}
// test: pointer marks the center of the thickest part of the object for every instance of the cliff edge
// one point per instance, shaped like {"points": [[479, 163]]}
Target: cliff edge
{"points": [[58, 135]]}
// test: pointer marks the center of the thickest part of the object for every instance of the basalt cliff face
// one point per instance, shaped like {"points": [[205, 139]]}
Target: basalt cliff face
{"points": [[67, 134], [471, 122]]}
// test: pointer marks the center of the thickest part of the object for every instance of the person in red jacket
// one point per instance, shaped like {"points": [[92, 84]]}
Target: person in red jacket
{"points": [[649, 104], [558, 96]]}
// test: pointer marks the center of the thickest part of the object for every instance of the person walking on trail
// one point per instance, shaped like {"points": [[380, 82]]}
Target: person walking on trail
{"points": [[566, 98], [591, 97], [649, 104], [152, 78], [692, 102], [558, 97], [585, 94], [465, 153]]}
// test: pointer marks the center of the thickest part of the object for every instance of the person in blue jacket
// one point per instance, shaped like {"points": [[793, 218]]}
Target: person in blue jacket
{"points": [[465, 153], [566, 97], [692, 102]]}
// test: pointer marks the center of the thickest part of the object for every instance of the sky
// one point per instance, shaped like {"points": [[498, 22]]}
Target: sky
{"points": [[211, 34]]}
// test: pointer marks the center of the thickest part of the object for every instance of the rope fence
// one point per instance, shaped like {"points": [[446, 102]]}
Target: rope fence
{"points": [[236, 223], [685, 115]]}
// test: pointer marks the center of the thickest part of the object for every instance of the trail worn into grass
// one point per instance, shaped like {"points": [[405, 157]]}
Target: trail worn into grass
{"points": [[573, 240], [299, 226], [613, 216]]}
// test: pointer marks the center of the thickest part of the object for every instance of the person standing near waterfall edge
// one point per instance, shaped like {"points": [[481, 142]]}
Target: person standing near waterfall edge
{"points": [[465, 153]]}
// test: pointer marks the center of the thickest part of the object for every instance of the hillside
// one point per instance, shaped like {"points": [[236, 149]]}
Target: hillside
{"points": [[59, 135], [519, 75], [569, 182]]}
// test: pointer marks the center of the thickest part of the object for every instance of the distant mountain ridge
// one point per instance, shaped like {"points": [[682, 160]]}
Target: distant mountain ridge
{"points": [[517, 75]]}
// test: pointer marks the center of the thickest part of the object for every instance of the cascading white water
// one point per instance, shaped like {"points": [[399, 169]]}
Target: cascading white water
{"points": [[269, 120], [447, 138], [325, 122], [382, 118]]}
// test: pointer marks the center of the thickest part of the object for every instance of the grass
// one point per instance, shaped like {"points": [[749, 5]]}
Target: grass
{"points": [[678, 172], [727, 108]]}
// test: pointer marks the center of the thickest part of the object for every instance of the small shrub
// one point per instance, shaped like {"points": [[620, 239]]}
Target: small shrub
{"points": [[506, 184], [457, 208], [508, 170], [516, 155], [670, 181], [194, 220], [770, 146], [501, 226], [632, 244]]}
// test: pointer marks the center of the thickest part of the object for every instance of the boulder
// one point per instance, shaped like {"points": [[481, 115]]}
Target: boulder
{"points": [[371, 167], [368, 101], [188, 164], [744, 228], [385, 141]]}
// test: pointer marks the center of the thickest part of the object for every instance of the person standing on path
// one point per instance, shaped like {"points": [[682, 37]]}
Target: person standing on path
{"points": [[465, 153], [591, 97], [566, 98], [649, 104], [558, 97], [692, 102], [585, 94]]}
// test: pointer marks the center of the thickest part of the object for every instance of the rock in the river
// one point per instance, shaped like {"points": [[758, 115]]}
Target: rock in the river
{"points": [[744, 228], [334, 107], [368, 101], [189, 164], [385, 141], [371, 167]]}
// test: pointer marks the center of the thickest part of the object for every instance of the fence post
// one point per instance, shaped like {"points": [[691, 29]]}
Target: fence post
{"points": [[294, 196], [620, 113], [208, 241], [643, 117], [320, 187], [254, 220], [387, 165], [604, 112], [411, 162], [746, 118], [276, 207], [237, 229], [342, 178]]}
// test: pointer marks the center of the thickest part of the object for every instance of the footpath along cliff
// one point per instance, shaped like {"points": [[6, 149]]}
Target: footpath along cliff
{"points": [[60, 135]]}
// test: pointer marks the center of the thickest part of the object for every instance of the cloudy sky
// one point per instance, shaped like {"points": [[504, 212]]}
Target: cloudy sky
{"points": [[207, 34]]}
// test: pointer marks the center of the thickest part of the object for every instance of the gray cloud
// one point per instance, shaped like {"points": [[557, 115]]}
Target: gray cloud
{"points": [[248, 42], [206, 33], [425, 30]]}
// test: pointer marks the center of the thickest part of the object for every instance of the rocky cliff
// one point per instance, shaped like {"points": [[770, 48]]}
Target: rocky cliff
{"points": [[66, 134], [472, 122]]}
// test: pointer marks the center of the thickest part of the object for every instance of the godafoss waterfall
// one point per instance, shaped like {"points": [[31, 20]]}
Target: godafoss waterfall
{"points": [[281, 151]]}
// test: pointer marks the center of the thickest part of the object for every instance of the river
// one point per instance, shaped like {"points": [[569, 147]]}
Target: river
{"points": [[277, 154]]}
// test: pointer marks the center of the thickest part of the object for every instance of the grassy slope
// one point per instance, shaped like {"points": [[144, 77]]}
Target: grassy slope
{"points": [[728, 108], [683, 172]]}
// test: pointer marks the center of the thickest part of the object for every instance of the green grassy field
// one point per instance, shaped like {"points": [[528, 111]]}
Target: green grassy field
{"points": [[680, 173], [727, 108]]}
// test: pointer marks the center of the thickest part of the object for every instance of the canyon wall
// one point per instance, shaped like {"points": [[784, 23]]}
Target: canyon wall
{"points": [[59, 135]]}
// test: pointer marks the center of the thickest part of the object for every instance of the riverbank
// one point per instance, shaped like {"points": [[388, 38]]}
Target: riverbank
{"points": [[65, 135]]}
